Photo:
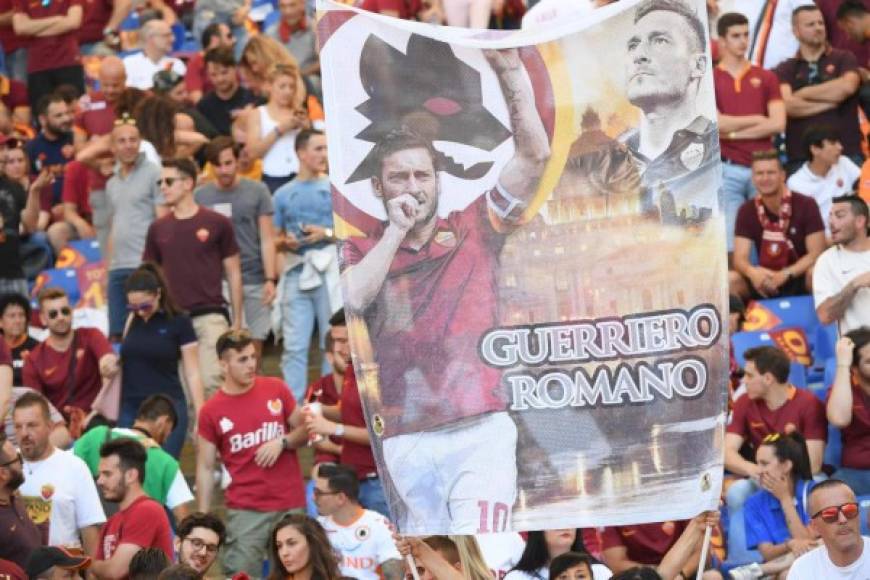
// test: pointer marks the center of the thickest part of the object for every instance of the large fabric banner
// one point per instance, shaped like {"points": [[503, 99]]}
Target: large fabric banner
{"points": [[533, 264]]}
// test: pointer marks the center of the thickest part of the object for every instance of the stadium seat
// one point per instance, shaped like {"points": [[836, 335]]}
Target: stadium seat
{"points": [[79, 253], [743, 341], [64, 278], [864, 503], [797, 311], [798, 375], [825, 341]]}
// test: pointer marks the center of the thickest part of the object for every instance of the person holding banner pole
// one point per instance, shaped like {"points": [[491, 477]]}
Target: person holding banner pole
{"points": [[432, 450]]}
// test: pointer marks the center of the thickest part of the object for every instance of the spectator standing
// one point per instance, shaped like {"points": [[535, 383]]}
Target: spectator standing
{"points": [[299, 548], [18, 535], [12, 44], [336, 492], [303, 222], [59, 492], [135, 201], [786, 229], [854, 19], [249, 205], [70, 365], [140, 522], [51, 30], [14, 316], [827, 173], [158, 340], [227, 100], [101, 22], [164, 481], [294, 32], [254, 424], [200, 536], [272, 130], [845, 553], [196, 247], [157, 39], [820, 87], [750, 113], [841, 278], [770, 30], [17, 207], [216, 34], [847, 408], [52, 149]]}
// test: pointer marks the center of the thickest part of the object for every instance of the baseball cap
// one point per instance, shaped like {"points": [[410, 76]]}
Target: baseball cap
{"points": [[46, 557], [166, 80]]}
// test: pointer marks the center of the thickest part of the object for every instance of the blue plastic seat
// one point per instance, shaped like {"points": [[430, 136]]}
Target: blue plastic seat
{"points": [[864, 503], [797, 311]]}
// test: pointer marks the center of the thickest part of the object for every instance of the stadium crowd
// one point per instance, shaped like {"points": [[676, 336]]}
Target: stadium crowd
{"points": [[185, 142]]}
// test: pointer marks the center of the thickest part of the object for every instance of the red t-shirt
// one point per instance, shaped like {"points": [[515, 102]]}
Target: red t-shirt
{"points": [[143, 523], [8, 39], [806, 219], [748, 94], [645, 543], [357, 455], [407, 9], [196, 78], [96, 116], [76, 187], [49, 52], [323, 391], [191, 252], [237, 425], [11, 571], [45, 370], [856, 437], [753, 420], [94, 20], [450, 286]]}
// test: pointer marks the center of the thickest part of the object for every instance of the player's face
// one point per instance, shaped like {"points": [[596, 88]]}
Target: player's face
{"points": [[111, 480], [125, 143], [756, 386], [13, 322], [227, 168], [578, 572], [844, 224], [240, 365], [199, 549], [340, 349], [56, 315], [558, 541], [809, 28], [411, 172], [293, 550], [736, 40], [844, 534], [767, 176], [662, 60], [32, 429]]}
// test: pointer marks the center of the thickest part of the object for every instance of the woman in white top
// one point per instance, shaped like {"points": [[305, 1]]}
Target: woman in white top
{"points": [[272, 128], [542, 547]]}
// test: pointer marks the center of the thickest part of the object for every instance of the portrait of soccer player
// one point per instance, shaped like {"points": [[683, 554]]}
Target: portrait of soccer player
{"points": [[665, 62], [426, 288]]}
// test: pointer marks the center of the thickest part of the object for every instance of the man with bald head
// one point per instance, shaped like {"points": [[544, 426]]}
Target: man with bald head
{"points": [[157, 39], [97, 110], [835, 517]]}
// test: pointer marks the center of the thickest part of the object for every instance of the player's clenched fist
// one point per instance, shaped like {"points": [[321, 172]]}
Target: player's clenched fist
{"points": [[402, 211]]}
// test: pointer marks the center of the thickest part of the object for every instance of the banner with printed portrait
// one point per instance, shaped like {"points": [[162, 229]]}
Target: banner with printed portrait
{"points": [[533, 264]]}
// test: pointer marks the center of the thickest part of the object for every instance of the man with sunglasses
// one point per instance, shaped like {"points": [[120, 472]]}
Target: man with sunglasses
{"points": [[845, 554], [71, 364], [18, 535], [200, 537]]}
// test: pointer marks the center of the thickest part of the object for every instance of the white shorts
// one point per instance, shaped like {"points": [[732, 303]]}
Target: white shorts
{"points": [[456, 480]]}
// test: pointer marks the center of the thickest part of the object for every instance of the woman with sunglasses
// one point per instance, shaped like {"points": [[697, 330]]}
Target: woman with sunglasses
{"points": [[542, 547], [299, 549], [776, 517], [157, 336]]}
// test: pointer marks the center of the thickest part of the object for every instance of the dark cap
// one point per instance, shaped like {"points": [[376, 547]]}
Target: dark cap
{"points": [[166, 80], [44, 558]]}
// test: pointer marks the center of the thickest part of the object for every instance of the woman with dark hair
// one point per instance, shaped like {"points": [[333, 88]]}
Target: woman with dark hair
{"points": [[571, 566], [157, 336], [299, 549], [543, 547], [776, 517]]}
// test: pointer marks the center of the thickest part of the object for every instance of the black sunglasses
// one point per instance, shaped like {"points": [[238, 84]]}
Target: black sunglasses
{"points": [[167, 180], [52, 314]]}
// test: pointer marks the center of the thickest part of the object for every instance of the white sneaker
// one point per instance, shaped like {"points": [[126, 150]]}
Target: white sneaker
{"points": [[748, 572]]}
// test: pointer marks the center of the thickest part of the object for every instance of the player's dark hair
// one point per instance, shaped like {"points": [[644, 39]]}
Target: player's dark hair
{"points": [[183, 165], [728, 20], [157, 406], [321, 557], [536, 555], [304, 137], [33, 399], [147, 564], [638, 573], [338, 318], [203, 520], [860, 337], [148, 278], [569, 560], [858, 206], [680, 8], [131, 455], [791, 447], [211, 31], [218, 145], [851, 9], [233, 340], [15, 299], [800, 9], [222, 55], [766, 155], [769, 359], [815, 136], [341, 478], [401, 140]]}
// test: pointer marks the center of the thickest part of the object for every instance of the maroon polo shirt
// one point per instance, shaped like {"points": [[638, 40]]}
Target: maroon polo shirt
{"points": [[833, 64], [407, 9], [806, 219], [803, 411], [49, 52], [644, 543], [749, 93], [856, 437], [94, 20]]}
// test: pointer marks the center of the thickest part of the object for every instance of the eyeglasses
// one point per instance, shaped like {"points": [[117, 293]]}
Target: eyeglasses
{"points": [[199, 545], [143, 307], [321, 493], [16, 459], [168, 181], [772, 438], [52, 314], [831, 515]]}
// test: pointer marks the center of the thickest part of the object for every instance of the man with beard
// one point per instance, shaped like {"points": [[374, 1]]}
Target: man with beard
{"points": [[53, 147], [59, 492], [674, 147], [140, 522], [200, 537], [18, 535], [70, 365]]}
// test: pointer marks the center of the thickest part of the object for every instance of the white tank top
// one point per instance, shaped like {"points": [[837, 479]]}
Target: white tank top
{"points": [[280, 160]]}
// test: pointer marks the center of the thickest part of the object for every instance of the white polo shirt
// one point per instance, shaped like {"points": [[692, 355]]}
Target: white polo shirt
{"points": [[825, 188], [141, 69], [833, 270]]}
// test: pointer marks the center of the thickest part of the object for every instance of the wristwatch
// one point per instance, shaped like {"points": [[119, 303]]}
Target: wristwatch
{"points": [[339, 430]]}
